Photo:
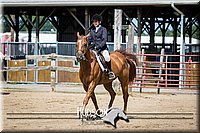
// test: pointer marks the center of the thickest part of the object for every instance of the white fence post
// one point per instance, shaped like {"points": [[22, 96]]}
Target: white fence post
{"points": [[117, 28], [162, 65], [141, 71], [53, 72]]}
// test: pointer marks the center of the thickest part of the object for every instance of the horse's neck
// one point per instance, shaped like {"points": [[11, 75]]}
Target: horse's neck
{"points": [[88, 55]]}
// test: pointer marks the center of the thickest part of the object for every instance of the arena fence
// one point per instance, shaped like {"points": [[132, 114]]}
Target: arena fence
{"points": [[162, 71], [53, 67], [158, 71]]}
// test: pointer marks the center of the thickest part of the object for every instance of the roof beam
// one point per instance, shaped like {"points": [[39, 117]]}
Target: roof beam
{"points": [[20, 3], [74, 16]]}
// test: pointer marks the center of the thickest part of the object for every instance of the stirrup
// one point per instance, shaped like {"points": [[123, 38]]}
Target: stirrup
{"points": [[111, 75]]}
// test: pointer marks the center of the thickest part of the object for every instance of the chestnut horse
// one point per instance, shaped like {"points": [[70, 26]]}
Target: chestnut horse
{"points": [[90, 73]]}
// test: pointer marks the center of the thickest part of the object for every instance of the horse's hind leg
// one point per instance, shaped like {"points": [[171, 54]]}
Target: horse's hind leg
{"points": [[125, 95], [124, 83], [112, 93]]}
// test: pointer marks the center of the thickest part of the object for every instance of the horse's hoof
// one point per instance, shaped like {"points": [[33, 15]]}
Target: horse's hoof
{"points": [[99, 112]]}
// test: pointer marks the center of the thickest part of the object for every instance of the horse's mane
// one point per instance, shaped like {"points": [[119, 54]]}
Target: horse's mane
{"points": [[128, 55]]}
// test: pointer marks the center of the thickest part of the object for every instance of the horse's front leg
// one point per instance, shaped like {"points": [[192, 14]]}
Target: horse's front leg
{"points": [[93, 97], [89, 93]]}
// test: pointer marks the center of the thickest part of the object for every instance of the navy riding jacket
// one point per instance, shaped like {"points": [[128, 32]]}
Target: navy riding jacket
{"points": [[98, 39]]}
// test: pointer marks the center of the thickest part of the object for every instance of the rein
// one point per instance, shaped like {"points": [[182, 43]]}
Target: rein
{"points": [[91, 60]]}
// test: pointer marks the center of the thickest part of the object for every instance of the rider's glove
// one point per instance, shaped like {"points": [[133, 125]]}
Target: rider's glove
{"points": [[97, 48]]}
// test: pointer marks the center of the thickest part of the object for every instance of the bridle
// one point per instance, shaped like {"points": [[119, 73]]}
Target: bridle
{"points": [[81, 57]]}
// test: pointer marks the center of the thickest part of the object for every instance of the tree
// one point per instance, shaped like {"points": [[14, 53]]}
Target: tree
{"points": [[5, 25], [48, 27], [196, 35]]}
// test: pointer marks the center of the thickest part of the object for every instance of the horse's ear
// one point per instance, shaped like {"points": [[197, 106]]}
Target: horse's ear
{"points": [[78, 35]]}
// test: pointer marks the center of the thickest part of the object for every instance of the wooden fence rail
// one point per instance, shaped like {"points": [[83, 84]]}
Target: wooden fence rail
{"points": [[158, 74]]}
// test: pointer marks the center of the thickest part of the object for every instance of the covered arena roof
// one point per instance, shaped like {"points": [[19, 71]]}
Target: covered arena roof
{"points": [[23, 3]]}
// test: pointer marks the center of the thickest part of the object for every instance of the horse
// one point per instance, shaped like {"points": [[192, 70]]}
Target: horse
{"points": [[123, 65]]}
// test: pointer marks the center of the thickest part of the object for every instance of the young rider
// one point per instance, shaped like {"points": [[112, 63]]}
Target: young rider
{"points": [[97, 41]]}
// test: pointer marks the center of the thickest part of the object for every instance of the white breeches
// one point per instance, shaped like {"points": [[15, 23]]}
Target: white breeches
{"points": [[106, 55]]}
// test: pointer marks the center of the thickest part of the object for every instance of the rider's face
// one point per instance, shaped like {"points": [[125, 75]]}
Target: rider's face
{"points": [[96, 23]]}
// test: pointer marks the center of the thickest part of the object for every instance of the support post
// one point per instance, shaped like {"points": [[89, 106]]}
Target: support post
{"points": [[86, 21], [175, 35], [12, 28], [138, 51], [182, 53], [163, 32], [152, 30], [182, 48], [29, 28], [17, 27], [117, 28], [130, 43], [130, 38], [37, 25], [190, 31], [36, 47]]}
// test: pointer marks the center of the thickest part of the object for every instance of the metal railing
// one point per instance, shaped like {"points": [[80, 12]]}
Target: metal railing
{"points": [[31, 48], [162, 71], [153, 73]]}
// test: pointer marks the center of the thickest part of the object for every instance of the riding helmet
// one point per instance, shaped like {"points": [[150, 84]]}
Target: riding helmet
{"points": [[97, 17]]}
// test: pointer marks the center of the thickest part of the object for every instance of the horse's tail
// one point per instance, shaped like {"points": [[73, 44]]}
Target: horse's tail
{"points": [[132, 61]]}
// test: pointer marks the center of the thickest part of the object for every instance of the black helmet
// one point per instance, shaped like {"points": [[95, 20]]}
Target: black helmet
{"points": [[96, 17]]}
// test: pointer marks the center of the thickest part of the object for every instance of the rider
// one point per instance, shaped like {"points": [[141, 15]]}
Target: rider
{"points": [[97, 41]]}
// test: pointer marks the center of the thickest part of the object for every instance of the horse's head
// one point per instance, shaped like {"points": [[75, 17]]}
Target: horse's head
{"points": [[81, 47]]}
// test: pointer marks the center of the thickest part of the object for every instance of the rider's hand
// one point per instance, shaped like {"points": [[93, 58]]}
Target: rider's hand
{"points": [[97, 49]]}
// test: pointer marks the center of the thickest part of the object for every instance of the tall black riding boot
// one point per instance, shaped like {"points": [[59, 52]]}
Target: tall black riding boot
{"points": [[111, 75]]}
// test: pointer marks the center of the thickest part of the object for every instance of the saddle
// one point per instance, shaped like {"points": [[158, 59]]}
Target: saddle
{"points": [[101, 61]]}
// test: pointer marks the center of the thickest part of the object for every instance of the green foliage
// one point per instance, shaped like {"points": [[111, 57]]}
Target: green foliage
{"points": [[170, 33], [196, 34], [159, 33], [144, 34], [48, 27], [6, 27]]}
